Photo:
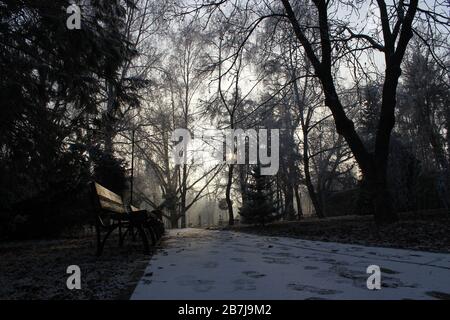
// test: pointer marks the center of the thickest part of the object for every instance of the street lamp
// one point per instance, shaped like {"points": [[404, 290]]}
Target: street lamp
{"points": [[132, 166]]}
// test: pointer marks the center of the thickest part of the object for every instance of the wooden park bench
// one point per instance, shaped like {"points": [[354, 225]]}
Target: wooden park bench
{"points": [[111, 213]]}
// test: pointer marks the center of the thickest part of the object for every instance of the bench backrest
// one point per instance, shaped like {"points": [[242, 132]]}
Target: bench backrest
{"points": [[108, 200], [150, 214]]}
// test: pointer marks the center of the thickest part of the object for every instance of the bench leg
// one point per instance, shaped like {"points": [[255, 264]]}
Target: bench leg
{"points": [[101, 244], [121, 236], [133, 234], [125, 234], [99, 241], [153, 234], [144, 238]]}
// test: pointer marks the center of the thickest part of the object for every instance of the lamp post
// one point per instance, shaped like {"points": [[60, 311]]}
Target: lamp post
{"points": [[132, 166]]}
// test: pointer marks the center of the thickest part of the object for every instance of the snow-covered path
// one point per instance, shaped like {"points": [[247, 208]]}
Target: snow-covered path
{"points": [[206, 264]]}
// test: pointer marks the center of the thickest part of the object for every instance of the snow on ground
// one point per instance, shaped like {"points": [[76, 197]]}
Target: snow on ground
{"points": [[207, 264]]}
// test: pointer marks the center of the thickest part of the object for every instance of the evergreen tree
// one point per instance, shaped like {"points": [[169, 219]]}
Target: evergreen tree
{"points": [[259, 207], [51, 98]]}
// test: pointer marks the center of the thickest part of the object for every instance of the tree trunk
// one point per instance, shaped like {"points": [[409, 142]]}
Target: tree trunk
{"points": [[183, 217], [312, 193], [183, 196], [228, 195], [243, 183], [109, 118], [382, 201], [173, 213], [374, 167], [289, 199], [298, 200], [174, 223], [447, 124]]}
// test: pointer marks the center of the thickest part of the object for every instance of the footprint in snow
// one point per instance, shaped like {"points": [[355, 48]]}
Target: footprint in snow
{"points": [[210, 265], [311, 268], [237, 259], [253, 274], [311, 289], [244, 285], [388, 271], [198, 285], [438, 295]]}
